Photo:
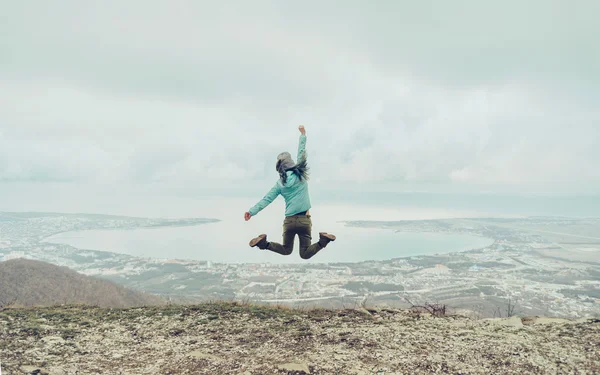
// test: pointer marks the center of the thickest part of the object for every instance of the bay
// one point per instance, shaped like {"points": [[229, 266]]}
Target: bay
{"points": [[227, 240]]}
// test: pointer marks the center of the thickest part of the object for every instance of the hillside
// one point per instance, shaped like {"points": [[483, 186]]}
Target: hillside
{"points": [[33, 283], [229, 338]]}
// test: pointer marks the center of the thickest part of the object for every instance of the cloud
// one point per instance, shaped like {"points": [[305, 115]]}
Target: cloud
{"points": [[465, 94]]}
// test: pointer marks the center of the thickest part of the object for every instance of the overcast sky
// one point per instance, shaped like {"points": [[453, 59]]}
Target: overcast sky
{"points": [[463, 95]]}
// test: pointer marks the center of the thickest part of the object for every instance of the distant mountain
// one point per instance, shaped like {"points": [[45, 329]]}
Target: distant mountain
{"points": [[34, 283]]}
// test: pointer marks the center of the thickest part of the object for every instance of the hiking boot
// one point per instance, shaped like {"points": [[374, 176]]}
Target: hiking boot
{"points": [[260, 242], [325, 238]]}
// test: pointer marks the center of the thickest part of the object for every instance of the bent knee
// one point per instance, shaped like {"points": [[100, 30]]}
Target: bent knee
{"points": [[287, 250], [304, 254]]}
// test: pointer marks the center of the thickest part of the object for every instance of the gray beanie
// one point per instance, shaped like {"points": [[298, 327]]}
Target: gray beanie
{"points": [[284, 161]]}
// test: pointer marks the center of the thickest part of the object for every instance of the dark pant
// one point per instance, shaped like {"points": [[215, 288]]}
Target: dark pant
{"points": [[300, 225]]}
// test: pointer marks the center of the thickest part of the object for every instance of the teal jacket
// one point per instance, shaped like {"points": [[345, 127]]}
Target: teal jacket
{"points": [[295, 192]]}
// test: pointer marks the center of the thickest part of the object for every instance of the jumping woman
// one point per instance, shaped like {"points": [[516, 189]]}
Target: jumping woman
{"points": [[293, 185]]}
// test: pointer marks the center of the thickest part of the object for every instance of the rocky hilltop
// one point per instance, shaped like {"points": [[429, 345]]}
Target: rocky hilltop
{"points": [[234, 338]]}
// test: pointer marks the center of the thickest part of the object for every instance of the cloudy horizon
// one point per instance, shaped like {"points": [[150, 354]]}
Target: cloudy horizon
{"points": [[466, 96]]}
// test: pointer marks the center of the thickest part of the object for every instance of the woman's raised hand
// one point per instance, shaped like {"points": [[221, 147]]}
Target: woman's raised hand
{"points": [[302, 130]]}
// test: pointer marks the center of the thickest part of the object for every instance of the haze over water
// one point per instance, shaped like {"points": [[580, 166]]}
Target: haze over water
{"points": [[227, 240]]}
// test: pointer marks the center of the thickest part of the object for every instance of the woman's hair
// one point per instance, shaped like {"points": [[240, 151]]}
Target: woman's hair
{"points": [[300, 170]]}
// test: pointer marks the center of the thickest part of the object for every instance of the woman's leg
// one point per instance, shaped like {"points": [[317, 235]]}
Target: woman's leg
{"points": [[289, 233], [307, 250]]}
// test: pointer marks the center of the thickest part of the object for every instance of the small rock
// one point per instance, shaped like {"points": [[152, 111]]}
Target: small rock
{"points": [[53, 340], [201, 355], [543, 320], [34, 370], [295, 366], [514, 321]]}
